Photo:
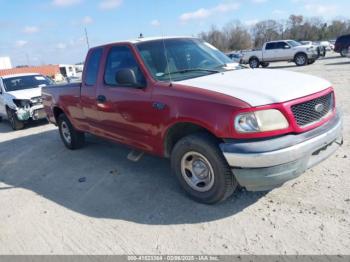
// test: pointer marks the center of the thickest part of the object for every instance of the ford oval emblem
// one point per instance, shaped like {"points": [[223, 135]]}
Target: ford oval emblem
{"points": [[319, 108]]}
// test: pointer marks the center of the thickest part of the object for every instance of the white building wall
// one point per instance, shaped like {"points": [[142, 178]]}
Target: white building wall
{"points": [[5, 63]]}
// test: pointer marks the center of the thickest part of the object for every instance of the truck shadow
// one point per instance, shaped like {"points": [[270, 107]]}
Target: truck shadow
{"points": [[99, 181], [340, 63]]}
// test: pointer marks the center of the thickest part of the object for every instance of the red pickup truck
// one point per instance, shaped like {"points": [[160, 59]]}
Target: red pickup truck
{"points": [[221, 125]]}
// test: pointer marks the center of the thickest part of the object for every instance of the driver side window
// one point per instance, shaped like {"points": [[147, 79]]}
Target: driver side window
{"points": [[121, 57]]}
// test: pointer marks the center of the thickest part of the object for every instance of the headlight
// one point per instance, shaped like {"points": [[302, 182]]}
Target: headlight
{"points": [[21, 102], [260, 121]]}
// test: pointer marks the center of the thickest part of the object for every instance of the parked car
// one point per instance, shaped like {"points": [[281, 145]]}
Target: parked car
{"points": [[284, 50], [221, 126], [342, 44], [235, 56], [327, 45], [321, 50], [20, 98]]}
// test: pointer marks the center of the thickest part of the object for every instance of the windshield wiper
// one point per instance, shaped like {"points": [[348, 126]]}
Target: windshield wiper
{"points": [[192, 70]]}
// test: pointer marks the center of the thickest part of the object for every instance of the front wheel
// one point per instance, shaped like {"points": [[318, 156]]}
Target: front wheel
{"points": [[14, 122], [71, 138], [300, 60], [254, 62], [201, 169]]}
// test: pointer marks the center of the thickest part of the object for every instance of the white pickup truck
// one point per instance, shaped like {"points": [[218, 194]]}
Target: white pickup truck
{"points": [[276, 51], [20, 98]]}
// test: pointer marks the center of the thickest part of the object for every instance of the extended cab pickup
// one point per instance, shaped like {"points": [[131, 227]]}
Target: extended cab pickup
{"points": [[220, 124], [276, 51]]}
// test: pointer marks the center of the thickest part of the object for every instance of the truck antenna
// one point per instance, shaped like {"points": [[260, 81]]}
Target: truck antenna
{"points": [[87, 39], [167, 61]]}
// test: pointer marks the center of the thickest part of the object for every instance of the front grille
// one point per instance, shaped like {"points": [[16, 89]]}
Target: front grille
{"points": [[313, 111]]}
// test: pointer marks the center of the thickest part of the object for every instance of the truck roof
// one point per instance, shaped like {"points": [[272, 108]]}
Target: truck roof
{"points": [[280, 40], [148, 39], [17, 75]]}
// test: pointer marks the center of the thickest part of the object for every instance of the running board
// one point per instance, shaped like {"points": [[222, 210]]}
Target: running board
{"points": [[135, 155]]}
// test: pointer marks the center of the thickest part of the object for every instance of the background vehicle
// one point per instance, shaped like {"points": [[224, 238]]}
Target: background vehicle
{"points": [[220, 125], [20, 98], [276, 51], [327, 45], [321, 50], [235, 56], [342, 44]]}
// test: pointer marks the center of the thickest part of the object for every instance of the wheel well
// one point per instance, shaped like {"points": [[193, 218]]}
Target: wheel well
{"points": [[253, 57], [56, 112], [300, 53], [179, 131]]}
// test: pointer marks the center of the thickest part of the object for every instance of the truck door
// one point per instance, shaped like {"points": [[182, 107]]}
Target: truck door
{"points": [[88, 102], [270, 52], [125, 110], [284, 51]]}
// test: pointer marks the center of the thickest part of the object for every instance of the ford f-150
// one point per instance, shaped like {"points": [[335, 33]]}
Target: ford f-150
{"points": [[220, 124], [284, 50]]}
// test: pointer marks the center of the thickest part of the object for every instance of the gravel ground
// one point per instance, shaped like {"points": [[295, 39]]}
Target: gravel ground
{"points": [[138, 208]]}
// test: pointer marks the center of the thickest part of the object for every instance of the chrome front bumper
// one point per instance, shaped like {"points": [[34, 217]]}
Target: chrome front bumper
{"points": [[265, 164]]}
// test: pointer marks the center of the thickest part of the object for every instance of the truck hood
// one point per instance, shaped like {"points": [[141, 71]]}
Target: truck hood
{"points": [[259, 87], [26, 93]]}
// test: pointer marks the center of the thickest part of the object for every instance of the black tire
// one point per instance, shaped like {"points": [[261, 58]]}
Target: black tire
{"points": [[223, 183], [344, 52], [14, 122], [0, 119], [311, 61], [254, 62], [300, 59], [264, 64], [76, 139]]}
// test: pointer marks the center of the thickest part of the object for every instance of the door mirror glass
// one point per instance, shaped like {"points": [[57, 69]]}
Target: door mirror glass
{"points": [[127, 77]]}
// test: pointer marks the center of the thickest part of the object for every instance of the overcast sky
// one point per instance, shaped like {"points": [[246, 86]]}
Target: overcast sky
{"points": [[52, 31]]}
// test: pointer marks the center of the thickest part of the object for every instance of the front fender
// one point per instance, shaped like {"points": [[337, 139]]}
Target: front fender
{"points": [[8, 101]]}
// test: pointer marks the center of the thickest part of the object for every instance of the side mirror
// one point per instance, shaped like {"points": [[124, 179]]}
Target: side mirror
{"points": [[286, 47], [127, 77]]}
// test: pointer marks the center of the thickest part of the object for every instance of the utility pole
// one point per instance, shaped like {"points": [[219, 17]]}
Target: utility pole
{"points": [[87, 39]]}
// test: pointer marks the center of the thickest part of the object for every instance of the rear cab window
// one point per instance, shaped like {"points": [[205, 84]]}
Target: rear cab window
{"points": [[270, 46]]}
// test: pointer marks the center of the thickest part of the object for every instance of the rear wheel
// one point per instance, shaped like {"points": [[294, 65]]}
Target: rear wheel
{"points": [[264, 64], [344, 52], [254, 62], [202, 170], [14, 122], [300, 60], [71, 138]]}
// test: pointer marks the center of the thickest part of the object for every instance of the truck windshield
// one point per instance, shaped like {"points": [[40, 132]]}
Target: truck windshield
{"points": [[179, 59], [293, 43], [25, 82]]}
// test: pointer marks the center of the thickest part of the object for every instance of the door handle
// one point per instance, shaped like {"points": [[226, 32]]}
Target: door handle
{"points": [[101, 99]]}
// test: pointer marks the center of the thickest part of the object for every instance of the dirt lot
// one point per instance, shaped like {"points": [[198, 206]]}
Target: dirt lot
{"points": [[128, 208]]}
